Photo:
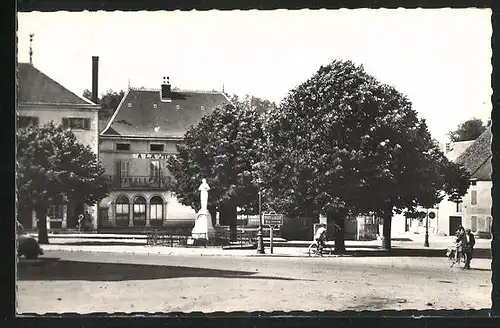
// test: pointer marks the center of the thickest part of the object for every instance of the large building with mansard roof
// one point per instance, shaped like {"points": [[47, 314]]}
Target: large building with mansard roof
{"points": [[133, 148]]}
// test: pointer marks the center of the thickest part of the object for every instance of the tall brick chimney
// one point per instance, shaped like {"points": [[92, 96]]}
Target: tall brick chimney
{"points": [[95, 73], [166, 92]]}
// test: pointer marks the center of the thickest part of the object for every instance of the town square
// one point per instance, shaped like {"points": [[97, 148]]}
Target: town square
{"points": [[239, 168]]}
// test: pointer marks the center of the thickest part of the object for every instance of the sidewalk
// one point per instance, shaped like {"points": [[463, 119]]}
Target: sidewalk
{"points": [[133, 244], [407, 240], [194, 251]]}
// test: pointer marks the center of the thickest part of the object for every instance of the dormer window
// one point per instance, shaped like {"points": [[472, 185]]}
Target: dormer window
{"points": [[177, 107], [202, 108], [129, 105], [155, 106]]}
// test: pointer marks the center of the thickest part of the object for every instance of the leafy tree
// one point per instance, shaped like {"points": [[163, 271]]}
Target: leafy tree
{"points": [[88, 94], [53, 167], [344, 144], [222, 147], [260, 105], [469, 130], [109, 101]]}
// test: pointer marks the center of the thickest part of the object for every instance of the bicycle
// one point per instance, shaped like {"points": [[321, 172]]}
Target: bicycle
{"points": [[461, 259], [315, 249]]}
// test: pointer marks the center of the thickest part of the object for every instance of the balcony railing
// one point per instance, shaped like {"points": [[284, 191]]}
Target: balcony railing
{"points": [[138, 182]]}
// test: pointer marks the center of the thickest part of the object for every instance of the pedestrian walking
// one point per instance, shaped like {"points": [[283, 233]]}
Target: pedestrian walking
{"points": [[468, 247]]}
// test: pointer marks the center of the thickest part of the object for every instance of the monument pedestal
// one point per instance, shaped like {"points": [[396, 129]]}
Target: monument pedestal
{"points": [[203, 228]]}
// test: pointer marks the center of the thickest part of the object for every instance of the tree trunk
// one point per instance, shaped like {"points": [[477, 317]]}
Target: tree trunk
{"points": [[339, 234], [228, 215], [386, 231], [41, 219], [213, 214]]}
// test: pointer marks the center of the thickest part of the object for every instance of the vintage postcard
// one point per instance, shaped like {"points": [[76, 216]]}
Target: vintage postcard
{"points": [[283, 160]]}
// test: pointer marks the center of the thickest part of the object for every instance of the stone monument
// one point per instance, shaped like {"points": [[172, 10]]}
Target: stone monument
{"points": [[203, 228]]}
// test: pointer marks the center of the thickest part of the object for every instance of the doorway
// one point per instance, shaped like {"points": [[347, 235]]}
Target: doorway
{"points": [[103, 221], [455, 222]]}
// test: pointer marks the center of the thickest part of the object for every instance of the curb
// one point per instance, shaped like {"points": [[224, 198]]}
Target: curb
{"points": [[174, 253], [198, 252]]}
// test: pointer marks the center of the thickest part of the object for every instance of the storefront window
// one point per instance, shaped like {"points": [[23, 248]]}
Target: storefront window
{"points": [[139, 210], [156, 208], [122, 209]]}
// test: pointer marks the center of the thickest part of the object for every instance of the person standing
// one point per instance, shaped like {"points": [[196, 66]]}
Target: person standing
{"points": [[468, 247], [87, 219], [81, 223]]}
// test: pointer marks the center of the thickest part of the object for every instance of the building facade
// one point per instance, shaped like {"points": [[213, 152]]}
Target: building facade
{"points": [[475, 208], [134, 146], [474, 212], [42, 100]]}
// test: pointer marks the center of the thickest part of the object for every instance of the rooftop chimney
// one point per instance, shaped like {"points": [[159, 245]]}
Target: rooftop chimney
{"points": [[95, 73], [165, 89]]}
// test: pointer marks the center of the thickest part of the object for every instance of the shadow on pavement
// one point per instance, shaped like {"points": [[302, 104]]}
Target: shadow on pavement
{"points": [[55, 269], [479, 253]]}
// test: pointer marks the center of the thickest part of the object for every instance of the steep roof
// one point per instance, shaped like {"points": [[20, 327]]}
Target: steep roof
{"points": [[457, 148], [477, 157], [36, 87], [141, 110]]}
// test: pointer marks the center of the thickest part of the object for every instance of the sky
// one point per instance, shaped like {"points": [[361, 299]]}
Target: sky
{"points": [[440, 59]]}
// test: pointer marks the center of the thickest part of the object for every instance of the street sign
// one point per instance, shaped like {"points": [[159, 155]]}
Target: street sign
{"points": [[273, 219]]}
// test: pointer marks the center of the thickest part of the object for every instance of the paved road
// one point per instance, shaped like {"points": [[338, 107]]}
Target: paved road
{"points": [[106, 282]]}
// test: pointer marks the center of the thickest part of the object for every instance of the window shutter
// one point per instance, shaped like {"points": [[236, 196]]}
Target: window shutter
{"points": [[65, 122], [118, 168], [125, 168], [86, 124]]}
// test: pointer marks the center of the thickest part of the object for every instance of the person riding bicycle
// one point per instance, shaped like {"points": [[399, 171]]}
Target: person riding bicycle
{"points": [[320, 237]]}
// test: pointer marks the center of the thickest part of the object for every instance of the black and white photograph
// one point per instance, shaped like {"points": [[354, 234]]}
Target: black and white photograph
{"points": [[252, 160]]}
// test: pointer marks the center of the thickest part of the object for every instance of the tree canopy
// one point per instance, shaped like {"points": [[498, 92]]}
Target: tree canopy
{"points": [[344, 144], [109, 101], [53, 167], [469, 130], [256, 103], [222, 148]]}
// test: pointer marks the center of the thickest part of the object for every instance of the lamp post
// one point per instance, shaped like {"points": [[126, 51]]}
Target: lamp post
{"points": [[426, 242], [260, 241]]}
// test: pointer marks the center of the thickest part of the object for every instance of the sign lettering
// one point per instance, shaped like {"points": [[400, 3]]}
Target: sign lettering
{"points": [[150, 156], [273, 219]]}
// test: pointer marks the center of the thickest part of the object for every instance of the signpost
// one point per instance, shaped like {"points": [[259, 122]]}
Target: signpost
{"points": [[272, 220]]}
